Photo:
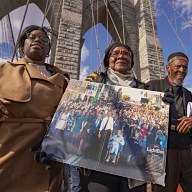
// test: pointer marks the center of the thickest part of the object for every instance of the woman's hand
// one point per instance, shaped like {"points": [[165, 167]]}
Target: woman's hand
{"points": [[3, 110]]}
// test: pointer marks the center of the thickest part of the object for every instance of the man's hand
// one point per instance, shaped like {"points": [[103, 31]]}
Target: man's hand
{"points": [[42, 157], [168, 96], [185, 124], [3, 110]]}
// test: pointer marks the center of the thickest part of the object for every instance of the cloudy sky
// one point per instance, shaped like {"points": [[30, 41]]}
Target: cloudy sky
{"points": [[174, 24]]}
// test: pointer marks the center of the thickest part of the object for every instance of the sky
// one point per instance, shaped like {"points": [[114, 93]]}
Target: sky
{"points": [[174, 26]]}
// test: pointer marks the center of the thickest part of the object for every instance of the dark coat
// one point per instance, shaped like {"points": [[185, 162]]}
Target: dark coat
{"points": [[175, 139], [163, 84]]}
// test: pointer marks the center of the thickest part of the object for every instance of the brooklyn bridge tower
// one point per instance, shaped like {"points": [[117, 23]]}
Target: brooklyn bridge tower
{"points": [[129, 21]]}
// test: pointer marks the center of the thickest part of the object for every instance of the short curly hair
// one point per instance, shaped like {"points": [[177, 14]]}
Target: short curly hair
{"points": [[23, 36]]}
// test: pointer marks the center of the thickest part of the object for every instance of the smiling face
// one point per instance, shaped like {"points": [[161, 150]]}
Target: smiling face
{"points": [[34, 48], [177, 70], [120, 60]]}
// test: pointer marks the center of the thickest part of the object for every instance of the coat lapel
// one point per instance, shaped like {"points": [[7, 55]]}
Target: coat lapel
{"points": [[15, 83], [17, 76], [56, 78]]}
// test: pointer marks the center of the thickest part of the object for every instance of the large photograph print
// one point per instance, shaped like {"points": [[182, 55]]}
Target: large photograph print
{"points": [[112, 129]]}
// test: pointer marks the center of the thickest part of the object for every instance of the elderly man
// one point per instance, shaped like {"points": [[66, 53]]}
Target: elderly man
{"points": [[179, 156]]}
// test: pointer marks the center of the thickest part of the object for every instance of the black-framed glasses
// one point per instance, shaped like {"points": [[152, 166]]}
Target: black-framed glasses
{"points": [[43, 39], [124, 53]]}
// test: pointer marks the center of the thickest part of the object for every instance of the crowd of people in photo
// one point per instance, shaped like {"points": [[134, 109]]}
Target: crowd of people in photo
{"points": [[131, 127]]}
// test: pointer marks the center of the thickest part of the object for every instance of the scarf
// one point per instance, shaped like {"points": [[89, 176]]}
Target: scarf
{"points": [[116, 78]]}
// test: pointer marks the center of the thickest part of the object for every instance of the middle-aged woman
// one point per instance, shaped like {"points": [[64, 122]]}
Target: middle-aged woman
{"points": [[118, 62], [30, 93]]}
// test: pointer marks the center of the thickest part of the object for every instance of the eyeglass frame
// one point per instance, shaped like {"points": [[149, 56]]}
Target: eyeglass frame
{"points": [[120, 52], [40, 38]]}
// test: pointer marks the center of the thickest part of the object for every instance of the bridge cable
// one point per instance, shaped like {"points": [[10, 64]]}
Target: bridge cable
{"points": [[47, 7], [155, 38], [101, 63], [122, 18], [107, 19], [24, 16], [57, 14], [12, 36], [123, 27], [96, 35], [98, 32], [175, 31], [175, 25], [113, 21], [182, 17]]}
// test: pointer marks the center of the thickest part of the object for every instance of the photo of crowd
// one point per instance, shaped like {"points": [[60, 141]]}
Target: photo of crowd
{"points": [[110, 129]]}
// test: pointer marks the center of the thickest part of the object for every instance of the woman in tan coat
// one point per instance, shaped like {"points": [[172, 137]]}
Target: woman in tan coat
{"points": [[30, 91]]}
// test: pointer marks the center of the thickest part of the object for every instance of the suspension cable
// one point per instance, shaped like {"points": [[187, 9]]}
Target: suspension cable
{"points": [[4, 36], [52, 13], [46, 11], [122, 18], [101, 63], [11, 29], [57, 15], [96, 35], [107, 18], [155, 38], [175, 25], [91, 55], [24, 16], [182, 17], [113, 21], [175, 32], [98, 32]]}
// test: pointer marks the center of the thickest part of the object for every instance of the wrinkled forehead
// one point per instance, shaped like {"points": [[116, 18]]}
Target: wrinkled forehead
{"points": [[178, 58], [120, 48], [179, 62]]}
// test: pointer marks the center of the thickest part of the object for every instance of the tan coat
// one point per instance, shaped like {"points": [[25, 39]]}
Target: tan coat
{"points": [[34, 99]]}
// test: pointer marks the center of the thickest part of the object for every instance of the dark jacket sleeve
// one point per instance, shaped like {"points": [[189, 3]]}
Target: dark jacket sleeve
{"points": [[97, 77]]}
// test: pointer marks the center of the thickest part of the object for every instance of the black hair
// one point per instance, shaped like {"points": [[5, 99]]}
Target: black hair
{"points": [[112, 47], [29, 29]]}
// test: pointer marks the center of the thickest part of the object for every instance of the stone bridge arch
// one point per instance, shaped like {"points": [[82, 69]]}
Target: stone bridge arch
{"points": [[75, 18], [54, 14], [8, 5], [114, 7]]}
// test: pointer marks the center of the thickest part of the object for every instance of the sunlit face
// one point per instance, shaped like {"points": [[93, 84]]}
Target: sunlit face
{"points": [[120, 60], [34, 48], [177, 70]]}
